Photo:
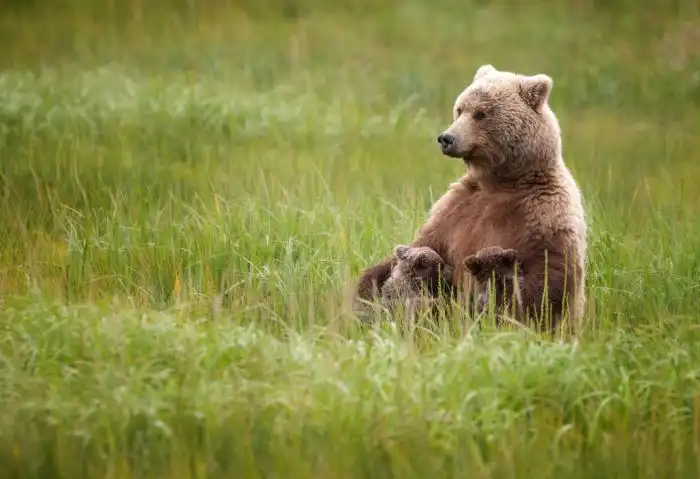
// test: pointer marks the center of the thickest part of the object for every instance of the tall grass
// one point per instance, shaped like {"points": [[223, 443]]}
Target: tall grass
{"points": [[187, 191]]}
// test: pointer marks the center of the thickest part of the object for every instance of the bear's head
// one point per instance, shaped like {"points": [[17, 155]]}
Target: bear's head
{"points": [[418, 261], [493, 260], [501, 265], [503, 125], [422, 265]]}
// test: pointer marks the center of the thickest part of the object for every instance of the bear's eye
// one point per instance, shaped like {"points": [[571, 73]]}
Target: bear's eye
{"points": [[459, 112], [479, 115]]}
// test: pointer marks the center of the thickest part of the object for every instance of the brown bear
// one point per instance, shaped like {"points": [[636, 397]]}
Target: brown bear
{"points": [[517, 193], [418, 277], [496, 270]]}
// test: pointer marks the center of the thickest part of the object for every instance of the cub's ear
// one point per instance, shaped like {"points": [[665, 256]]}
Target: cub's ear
{"points": [[420, 260], [510, 256], [535, 90], [401, 251], [509, 264], [484, 70], [472, 264]]}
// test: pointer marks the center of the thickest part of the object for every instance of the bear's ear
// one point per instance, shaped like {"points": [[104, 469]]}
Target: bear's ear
{"points": [[509, 256], [472, 264], [483, 70], [401, 251], [421, 260], [509, 264], [535, 90]]}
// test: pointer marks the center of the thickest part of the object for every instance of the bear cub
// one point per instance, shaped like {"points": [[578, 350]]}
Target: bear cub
{"points": [[501, 266], [418, 277]]}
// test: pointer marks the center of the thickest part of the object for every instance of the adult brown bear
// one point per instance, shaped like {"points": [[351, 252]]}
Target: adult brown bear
{"points": [[517, 193]]}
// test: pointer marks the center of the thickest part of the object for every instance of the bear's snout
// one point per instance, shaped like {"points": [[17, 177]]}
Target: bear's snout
{"points": [[447, 142]]}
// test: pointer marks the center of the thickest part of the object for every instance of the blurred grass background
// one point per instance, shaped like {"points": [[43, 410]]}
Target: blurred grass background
{"points": [[187, 188]]}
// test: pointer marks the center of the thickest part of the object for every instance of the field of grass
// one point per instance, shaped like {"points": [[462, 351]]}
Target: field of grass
{"points": [[188, 189]]}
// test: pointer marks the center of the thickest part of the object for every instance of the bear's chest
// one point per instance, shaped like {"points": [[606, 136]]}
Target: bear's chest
{"points": [[470, 221]]}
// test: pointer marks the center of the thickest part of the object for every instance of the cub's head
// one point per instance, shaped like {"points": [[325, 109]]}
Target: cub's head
{"points": [[503, 265], [493, 259], [418, 261], [503, 124]]}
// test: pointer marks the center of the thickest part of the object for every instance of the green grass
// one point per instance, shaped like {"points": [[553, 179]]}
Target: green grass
{"points": [[187, 193]]}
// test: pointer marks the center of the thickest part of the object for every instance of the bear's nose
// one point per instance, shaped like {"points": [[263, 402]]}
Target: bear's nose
{"points": [[446, 140]]}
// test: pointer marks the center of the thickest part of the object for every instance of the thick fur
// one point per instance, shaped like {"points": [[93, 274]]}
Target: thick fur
{"points": [[418, 276], [518, 194], [498, 270]]}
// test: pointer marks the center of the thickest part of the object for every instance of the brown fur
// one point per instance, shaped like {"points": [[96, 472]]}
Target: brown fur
{"points": [[418, 276], [518, 193], [499, 268]]}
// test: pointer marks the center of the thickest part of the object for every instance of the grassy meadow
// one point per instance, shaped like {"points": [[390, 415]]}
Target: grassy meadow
{"points": [[188, 189]]}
